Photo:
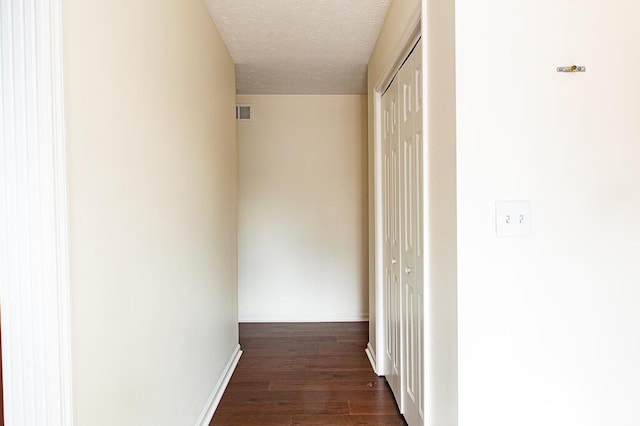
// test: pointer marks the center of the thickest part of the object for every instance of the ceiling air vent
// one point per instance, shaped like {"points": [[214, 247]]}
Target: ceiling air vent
{"points": [[244, 112]]}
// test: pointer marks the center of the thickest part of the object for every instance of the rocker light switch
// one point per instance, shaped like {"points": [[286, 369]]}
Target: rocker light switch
{"points": [[513, 219]]}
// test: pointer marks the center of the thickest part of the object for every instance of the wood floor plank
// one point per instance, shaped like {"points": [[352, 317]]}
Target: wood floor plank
{"points": [[276, 363], [296, 396], [304, 385], [333, 420], [306, 374], [340, 347], [344, 362], [288, 407], [384, 406], [287, 352], [327, 375], [250, 419]]}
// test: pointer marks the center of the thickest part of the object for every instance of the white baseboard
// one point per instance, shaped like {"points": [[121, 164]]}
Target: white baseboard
{"points": [[311, 318], [371, 354], [218, 390]]}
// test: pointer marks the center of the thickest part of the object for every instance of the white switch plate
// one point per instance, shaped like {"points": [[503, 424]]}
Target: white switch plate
{"points": [[513, 218]]}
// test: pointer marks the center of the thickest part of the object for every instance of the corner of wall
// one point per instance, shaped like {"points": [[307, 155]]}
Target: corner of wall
{"points": [[219, 388]]}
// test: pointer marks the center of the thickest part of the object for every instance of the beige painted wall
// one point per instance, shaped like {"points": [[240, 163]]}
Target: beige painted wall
{"points": [[150, 93], [303, 209], [548, 325], [398, 18]]}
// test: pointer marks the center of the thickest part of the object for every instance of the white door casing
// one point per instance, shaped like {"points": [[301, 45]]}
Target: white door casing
{"points": [[34, 279]]}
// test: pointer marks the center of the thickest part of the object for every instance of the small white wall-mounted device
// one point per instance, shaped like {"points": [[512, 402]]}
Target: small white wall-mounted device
{"points": [[513, 219]]}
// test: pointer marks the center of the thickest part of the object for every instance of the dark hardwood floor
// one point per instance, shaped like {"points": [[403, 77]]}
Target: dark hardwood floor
{"points": [[306, 374]]}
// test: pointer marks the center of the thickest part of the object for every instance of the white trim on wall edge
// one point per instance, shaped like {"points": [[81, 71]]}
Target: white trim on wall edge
{"points": [[34, 233], [219, 388], [328, 318], [371, 354]]}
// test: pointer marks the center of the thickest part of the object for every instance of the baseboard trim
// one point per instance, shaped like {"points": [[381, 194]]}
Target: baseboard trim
{"points": [[371, 354], [345, 318], [218, 390]]}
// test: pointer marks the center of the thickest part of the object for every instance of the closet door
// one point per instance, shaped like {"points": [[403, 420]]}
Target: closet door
{"points": [[412, 276], [391, 250]]}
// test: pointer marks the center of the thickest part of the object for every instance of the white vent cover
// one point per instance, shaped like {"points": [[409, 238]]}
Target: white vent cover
{"points": [[244, 112]]}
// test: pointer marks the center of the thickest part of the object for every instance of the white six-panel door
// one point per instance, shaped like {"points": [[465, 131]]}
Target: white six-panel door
{"points": [[412, 282], [391, 252], [402, 150]]}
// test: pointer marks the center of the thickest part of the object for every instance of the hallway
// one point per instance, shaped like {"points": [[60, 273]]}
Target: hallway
{"points": [[141, 222], [306, 373]]}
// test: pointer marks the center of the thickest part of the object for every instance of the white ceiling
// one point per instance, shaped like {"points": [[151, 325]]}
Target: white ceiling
{"points": [[299, 46]]}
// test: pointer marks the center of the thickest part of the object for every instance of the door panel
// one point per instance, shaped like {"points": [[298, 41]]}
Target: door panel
{"points": [[391, 250], [412, 293], [403, 257]]}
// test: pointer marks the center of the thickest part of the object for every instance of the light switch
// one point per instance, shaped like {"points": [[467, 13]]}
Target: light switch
{"points": [[513, 218]]}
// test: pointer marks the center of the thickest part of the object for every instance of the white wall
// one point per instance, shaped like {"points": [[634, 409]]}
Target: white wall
{"points": [[303, 209], [150, 95], [548, 325]]}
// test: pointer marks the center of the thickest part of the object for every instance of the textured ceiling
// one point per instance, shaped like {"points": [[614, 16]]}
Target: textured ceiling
{"points": [[299, 46]]}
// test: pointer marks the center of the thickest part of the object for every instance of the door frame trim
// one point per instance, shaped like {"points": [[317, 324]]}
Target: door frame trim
{"points": [[401, 51], [34, 228]]}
